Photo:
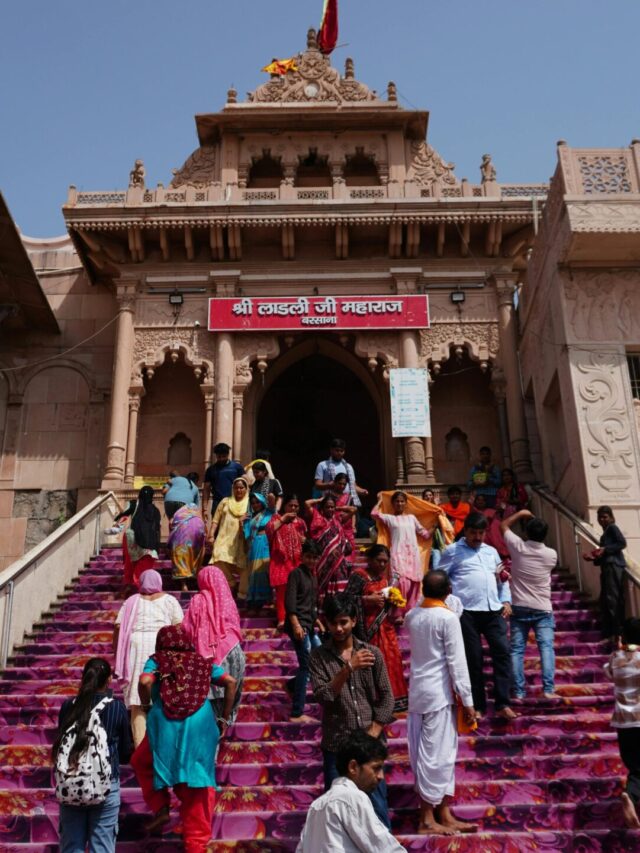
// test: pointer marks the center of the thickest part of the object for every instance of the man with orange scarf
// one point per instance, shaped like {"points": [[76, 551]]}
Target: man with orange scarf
{"points": [[456, 510], [439, 674]]}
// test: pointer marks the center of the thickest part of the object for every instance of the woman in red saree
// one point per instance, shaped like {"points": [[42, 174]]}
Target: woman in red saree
{"points": [[376, 616], [285, 533], [326, 529]]}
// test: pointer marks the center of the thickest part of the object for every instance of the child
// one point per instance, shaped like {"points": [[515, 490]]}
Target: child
{"points": [[301, 621], [623, 668]]}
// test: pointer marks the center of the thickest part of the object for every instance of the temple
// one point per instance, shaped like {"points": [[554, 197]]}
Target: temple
{"points": [[317, 191]]}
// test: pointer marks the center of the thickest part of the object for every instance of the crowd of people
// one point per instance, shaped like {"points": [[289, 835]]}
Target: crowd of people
{"points": [[448, 574]]}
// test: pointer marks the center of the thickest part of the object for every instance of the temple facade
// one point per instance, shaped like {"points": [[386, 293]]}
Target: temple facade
{"points": [[315, 188]]}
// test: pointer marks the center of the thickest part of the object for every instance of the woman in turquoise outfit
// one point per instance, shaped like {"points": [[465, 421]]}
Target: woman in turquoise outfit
{"points": [[180, 746], [254, 527]]}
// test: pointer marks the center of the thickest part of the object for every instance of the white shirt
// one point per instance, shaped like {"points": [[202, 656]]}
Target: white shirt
{"points": [[438, 663], [343, 821]]}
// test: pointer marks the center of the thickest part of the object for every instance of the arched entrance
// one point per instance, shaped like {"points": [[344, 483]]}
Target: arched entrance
{"points": [[310, 402]]}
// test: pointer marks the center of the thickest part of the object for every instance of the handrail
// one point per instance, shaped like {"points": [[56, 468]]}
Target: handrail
{"points": [[632, 569], [13, 572], [31, 584]]}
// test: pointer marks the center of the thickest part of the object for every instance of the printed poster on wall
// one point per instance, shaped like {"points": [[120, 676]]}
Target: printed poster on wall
{"points": [[410, 414]]}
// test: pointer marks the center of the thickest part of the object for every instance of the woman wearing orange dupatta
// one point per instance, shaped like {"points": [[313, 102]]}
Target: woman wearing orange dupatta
{"points": [[404, 524]]}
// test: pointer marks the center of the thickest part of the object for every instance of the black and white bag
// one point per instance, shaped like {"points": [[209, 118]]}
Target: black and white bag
{"points": [[89, 782]]}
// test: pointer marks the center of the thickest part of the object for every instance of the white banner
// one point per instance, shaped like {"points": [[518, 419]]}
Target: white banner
{"points": [[410, 414]]}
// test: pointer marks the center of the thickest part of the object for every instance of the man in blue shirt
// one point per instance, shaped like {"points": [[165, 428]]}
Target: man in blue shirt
{"points": [[472, 567], [336, 464], [219, 477]]}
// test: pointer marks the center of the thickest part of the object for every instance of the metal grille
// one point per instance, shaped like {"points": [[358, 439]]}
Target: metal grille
{"points": [[634, 372]]}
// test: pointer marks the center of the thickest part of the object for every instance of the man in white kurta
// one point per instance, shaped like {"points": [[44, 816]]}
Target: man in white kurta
{"points": [[343, 820], [438, 672]]}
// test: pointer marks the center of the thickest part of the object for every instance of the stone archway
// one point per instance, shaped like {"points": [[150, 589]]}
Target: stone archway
{"points": [[310, 399]]}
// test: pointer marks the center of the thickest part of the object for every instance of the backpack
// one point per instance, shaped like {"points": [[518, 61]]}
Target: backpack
{"points": [[89, 782]]}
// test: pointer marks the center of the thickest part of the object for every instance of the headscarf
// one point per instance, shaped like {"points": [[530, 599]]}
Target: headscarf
{"points": [[238, 508], [259, 496], [145, 520], [429, 515], [212, 621], [184, 675], [150, 582]]}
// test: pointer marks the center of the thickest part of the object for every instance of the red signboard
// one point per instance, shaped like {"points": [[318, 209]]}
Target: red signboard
{"points": [[315, 313]]}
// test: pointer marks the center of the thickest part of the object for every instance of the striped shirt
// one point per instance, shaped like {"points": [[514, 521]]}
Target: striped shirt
{"points": [[115, 720]]}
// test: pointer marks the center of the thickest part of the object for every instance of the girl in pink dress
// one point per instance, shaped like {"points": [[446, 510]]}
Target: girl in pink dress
{"points": [[285, 533], [406, 561]]}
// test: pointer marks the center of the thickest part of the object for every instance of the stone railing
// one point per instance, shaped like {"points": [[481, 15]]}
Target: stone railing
{"points": [[30, 585], [232, 194], [596, 171]]}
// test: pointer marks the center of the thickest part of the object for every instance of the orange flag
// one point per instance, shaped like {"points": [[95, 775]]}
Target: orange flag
{"points": [[281, 66]]}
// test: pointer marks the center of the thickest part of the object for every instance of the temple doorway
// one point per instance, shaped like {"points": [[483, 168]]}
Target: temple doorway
{"points": [[312, 401]]}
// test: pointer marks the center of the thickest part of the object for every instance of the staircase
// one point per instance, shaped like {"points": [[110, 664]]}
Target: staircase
{"points": [[550, 781]]}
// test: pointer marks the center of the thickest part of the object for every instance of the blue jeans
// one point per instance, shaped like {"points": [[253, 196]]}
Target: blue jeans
{"points": [[96, 826], [543, 624], [378, 796], [299, 683]]}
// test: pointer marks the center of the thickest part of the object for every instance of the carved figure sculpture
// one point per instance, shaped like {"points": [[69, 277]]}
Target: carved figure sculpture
{"points": [[487, 169], [137, 175]]}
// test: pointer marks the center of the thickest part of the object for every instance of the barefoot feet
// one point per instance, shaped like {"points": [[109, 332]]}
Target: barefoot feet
{"points": [[507, 713], [160, 818]]}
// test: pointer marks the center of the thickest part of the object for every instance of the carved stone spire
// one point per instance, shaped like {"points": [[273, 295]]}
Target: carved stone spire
{"points": [[312, 39]]}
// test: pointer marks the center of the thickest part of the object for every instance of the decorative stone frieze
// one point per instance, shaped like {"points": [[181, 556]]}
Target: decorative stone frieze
{"points": [[428, 169], [151, 347], [480, 339], [603, 305]]}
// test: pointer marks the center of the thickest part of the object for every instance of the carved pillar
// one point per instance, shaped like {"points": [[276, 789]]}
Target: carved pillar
{"points": [[499, 388], [135, 395], [208, 392], [223, 411], [123, 351], [400, 474], [428, 460], [414, 446], [238, 402], [519, 443]]}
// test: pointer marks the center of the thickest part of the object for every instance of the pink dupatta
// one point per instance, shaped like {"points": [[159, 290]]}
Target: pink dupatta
{"points": [[150, 582], [212, 620]]}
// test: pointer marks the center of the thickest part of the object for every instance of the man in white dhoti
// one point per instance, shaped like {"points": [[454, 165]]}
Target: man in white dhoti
{"points": [[438, 672]]}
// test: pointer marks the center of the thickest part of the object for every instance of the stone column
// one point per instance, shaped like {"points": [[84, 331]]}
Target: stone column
{"points": [[135, 395], [122, 355], [238, 401], [428, 459], [208, 392], [400, 475], [224, 376], [414, 446], [499, 388], [9, 450], [519, 443]]}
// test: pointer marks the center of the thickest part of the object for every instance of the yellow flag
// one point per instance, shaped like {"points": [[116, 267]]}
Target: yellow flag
{"points": [[281, 66]]}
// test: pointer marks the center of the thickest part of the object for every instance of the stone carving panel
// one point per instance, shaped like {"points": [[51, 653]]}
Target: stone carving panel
{"points": [[603, 306], [602, 217], [151, 346], [427, 167], [606, 421], [198, 170], [604, 173], [480, 339]]}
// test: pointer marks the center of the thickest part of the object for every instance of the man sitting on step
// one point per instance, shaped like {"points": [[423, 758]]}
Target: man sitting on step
{"points": [[343, 818]]}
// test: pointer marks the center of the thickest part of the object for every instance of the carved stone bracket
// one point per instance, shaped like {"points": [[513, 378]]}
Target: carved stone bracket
{"points": [[481, 340], [378, 348]]}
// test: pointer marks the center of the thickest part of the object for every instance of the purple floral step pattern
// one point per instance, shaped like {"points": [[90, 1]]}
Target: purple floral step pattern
{"points": [[550, 780]]}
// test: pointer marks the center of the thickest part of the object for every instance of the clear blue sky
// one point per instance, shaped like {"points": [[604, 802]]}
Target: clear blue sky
{"points": [[88, 86]]}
